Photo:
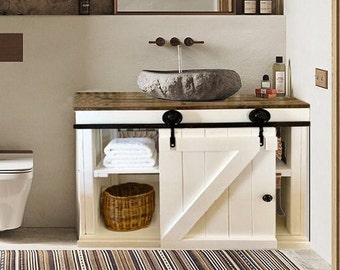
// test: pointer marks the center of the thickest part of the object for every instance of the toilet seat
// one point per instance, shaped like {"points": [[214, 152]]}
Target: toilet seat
{"points": [[16, 162]]}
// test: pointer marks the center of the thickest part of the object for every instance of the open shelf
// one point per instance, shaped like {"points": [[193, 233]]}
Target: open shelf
{"points": [[101, 171]]}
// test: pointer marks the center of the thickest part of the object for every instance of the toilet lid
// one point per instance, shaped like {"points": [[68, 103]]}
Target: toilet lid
{"points": [[16, 161]]}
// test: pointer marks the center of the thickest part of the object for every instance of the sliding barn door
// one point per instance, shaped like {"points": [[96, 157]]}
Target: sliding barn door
{"points": [[217, 188]]}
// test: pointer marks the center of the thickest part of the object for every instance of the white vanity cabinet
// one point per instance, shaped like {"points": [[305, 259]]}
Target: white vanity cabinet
{"points": [[215, 188]]}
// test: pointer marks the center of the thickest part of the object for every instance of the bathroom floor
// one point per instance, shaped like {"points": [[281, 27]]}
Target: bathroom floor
{"points": [[65, 238]]}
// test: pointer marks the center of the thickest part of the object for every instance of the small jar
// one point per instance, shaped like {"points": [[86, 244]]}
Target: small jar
{"points": [[265, 83]]}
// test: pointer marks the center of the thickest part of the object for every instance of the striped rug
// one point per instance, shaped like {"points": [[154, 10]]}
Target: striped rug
{"points": [[145, 259]]}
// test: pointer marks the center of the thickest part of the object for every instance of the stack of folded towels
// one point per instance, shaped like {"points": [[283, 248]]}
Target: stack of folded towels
{"points": [[130, 153]]}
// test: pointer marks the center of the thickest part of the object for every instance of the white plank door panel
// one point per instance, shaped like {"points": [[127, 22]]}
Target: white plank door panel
{"points": [[240, 204], [262, 169], [207, 194]]}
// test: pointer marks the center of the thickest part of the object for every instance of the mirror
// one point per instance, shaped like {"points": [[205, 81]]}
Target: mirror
{"points": [[174, 7]]}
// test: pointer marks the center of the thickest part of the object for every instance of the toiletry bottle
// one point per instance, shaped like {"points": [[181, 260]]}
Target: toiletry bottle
{"points": [[84, 7], [249, 7], [266, 7], [265, 83], [279, 76]]}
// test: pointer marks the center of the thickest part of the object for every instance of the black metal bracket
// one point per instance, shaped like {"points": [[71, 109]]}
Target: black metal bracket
{"points": [[260, 117], [172, 118]]}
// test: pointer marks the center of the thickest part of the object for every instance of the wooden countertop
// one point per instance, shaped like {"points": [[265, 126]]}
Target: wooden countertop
{"points": [[88, 101]]}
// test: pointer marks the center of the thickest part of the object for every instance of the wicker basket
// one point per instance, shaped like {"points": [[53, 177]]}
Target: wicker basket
{"points": [[128, 207]]}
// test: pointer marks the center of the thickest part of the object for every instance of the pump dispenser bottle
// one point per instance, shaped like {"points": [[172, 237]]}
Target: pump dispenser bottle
{"points": [[279, 76]]}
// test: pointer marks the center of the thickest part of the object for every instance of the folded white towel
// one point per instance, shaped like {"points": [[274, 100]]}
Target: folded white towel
{"points": [[126, 146], [130, 154], [110, 161]]}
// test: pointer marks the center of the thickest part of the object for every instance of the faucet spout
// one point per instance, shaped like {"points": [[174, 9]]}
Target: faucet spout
{"points": [[175, 41]]}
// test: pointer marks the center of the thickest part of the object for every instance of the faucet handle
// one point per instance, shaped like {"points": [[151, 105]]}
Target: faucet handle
{"points": [[159, 41], [175, 41], [189, 41]]}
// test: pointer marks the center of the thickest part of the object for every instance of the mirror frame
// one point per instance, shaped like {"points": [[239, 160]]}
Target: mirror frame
{"points": [[226, 7]]}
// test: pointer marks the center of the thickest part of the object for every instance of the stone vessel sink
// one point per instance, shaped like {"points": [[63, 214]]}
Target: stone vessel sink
{"points": [[190, 85]]}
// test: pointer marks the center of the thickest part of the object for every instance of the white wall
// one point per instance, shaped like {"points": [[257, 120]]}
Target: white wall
{"points": [[63, 54], [309, 47]]}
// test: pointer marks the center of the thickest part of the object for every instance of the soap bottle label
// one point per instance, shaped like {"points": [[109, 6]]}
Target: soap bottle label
{"points": [[249, 7], [280, 82], [265, 84]]}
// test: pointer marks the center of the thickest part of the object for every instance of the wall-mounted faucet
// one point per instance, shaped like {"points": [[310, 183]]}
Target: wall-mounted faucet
{"points": [[189, 41], [159, 41], [175, 41]]}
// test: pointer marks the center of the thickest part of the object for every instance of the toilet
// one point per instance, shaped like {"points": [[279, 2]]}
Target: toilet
{"points": [[16, 173]]}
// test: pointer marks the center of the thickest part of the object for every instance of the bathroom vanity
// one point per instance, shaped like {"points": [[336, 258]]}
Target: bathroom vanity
{"points": [[215, 178]]}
